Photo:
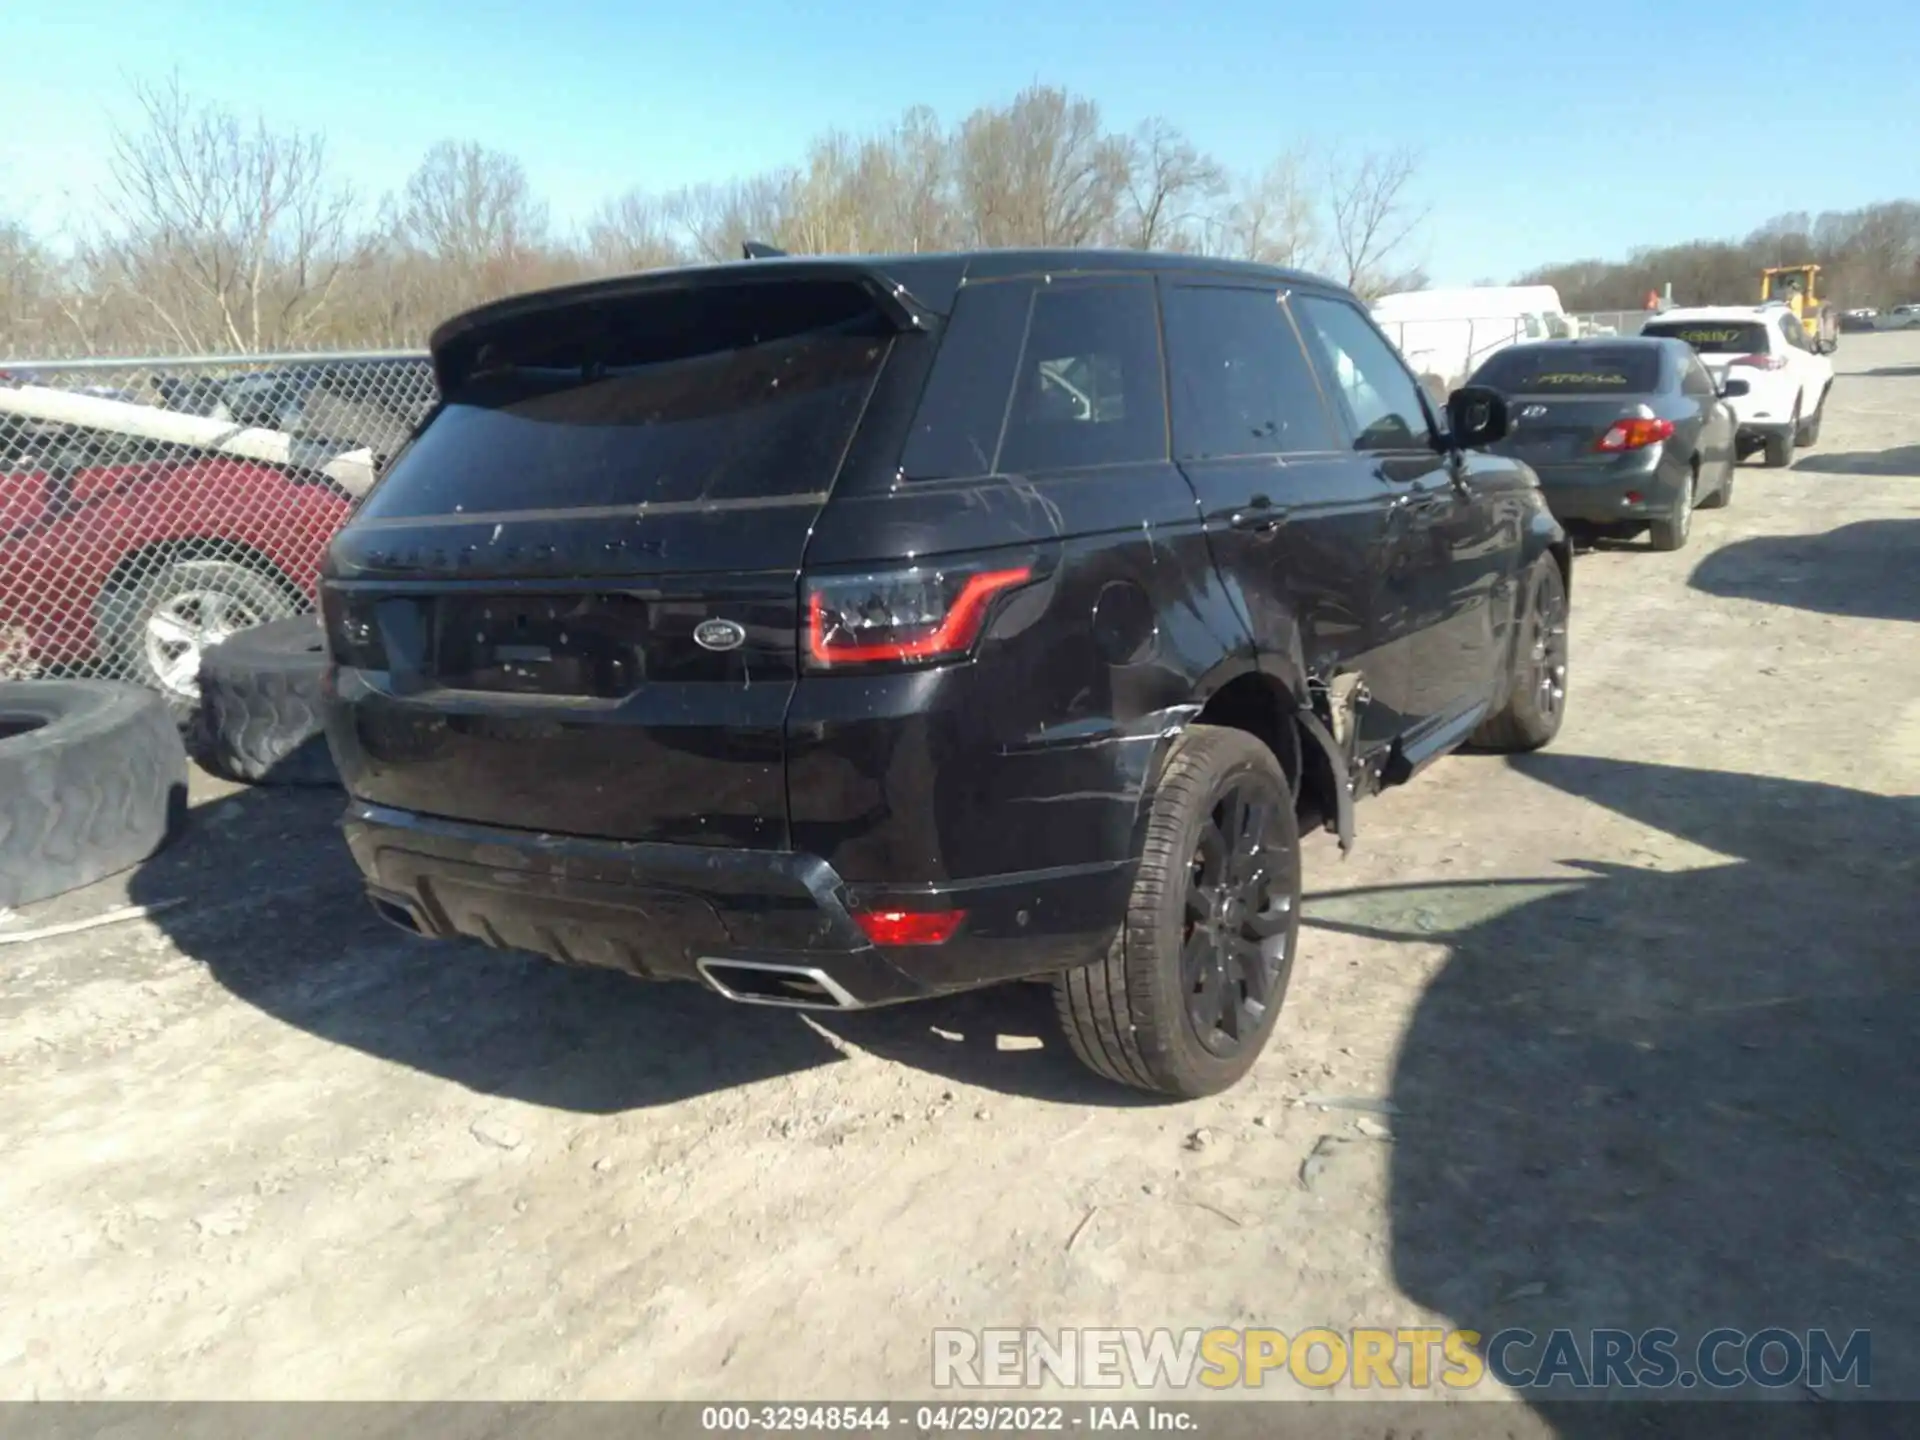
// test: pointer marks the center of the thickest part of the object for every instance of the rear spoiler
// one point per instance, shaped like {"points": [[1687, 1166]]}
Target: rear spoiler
{"points": [[890, 297]]}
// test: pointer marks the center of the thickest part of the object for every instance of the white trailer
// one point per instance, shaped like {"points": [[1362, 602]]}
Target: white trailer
{"points": [[1446, 334]]}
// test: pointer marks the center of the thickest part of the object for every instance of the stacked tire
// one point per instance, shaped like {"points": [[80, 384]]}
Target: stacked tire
{"points": [[93, 780], [259, 716]]}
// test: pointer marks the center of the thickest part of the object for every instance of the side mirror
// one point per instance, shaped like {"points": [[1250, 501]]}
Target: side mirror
{"points": [[1735, 388], [1476, 417]]}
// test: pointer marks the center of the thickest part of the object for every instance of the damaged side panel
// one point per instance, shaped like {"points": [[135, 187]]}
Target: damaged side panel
{"points": [[1064, 713]]}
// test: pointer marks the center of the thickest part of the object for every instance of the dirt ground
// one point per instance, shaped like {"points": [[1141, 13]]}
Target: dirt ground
{"points": [[1637, 1018]]}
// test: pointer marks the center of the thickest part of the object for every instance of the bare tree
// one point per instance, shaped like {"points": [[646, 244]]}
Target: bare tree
{"points": [[465, 229], [1273, 219], [30, 288], [1371, 215], [718, 219], [919, 197], [471, 206], [226, 234], [1169, 186], [1041, 171], [638, 231]]}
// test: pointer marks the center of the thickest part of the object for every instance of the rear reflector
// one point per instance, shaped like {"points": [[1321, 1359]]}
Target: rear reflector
{"points": [[909, 927], [1634, 434]]}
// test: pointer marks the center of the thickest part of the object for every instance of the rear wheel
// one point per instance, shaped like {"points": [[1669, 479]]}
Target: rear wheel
{"points": [[1537, 695], [1672, 532], [1191, 989], [1722, 495], [1779, 447], [1808, 433]]}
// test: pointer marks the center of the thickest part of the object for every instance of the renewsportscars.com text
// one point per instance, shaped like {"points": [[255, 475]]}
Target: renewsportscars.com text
{"points": [[1400, 1358]]}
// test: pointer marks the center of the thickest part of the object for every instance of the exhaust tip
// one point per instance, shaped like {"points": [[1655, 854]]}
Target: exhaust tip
{"points": [[760, 982], [396, 914]]}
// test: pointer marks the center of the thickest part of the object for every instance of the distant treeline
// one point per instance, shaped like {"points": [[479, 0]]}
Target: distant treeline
{"points": [[1871, 257], [219, 233]]}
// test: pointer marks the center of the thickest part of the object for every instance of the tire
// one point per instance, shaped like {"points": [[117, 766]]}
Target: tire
{"points": [[1720, 498], [95, 780], [1673, 532], [1809, 432], [1778, 450], [259, 718], [1128, 1017], [158, 627], [1536, 701]]}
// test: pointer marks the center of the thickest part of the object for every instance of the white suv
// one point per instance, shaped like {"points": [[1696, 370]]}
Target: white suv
{"points": [[1766, 346]]}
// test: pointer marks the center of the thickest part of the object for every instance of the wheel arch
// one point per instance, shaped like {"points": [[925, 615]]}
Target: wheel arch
{"points": [[1275, 704]]}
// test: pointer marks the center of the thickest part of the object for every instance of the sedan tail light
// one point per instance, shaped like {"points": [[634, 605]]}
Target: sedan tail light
{"points": [[1760, 362], [1634, 434], [923, 615]]}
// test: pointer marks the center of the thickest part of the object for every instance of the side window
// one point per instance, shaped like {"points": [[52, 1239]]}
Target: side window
{"points": [[1241, 384], [1694, 379], [1088, 390], [1373, 386], [964, 406], [1793, 333]]}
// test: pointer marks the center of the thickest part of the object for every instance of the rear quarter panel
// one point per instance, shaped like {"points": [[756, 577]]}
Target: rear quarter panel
{"points": [[1039, 751]]}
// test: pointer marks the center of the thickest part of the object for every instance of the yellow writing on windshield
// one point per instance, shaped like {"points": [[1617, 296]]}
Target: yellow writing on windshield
{"points": [[1708, 337], [1580, 378]]}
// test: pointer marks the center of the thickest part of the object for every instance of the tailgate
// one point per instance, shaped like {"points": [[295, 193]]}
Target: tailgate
{"points": [[572, 605]]}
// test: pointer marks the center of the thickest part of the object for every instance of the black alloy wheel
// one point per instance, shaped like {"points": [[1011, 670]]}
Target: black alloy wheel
{"points": [[1237, 949]]}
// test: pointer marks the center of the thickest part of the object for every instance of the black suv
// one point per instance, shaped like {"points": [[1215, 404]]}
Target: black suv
{"points": [[844, 631]]}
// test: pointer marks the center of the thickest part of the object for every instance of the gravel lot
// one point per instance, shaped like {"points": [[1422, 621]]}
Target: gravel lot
{"points": [[1641, 1012]]}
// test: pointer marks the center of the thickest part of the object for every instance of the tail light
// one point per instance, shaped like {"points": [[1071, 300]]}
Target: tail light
{"points": [[1634, 434], [918, 616], [1760, 362], [909, 927]]}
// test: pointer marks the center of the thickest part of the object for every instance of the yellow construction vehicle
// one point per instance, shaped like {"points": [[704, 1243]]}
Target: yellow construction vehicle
{"points": [[1795, 287]]}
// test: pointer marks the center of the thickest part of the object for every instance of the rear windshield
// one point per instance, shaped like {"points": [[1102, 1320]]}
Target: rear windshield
{"points": [[1620, 369], [1713, 337], [696, 396]]}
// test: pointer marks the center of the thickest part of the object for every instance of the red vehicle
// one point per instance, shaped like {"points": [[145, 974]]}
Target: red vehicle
{"points": [[123, 558]]}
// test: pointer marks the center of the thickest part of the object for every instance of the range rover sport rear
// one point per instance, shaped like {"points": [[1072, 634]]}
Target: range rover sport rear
{"points": [[837, 632], [569, 625]]}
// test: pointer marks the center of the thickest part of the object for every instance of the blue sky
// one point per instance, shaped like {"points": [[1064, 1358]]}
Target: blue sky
{"points": [[1549, 131]]}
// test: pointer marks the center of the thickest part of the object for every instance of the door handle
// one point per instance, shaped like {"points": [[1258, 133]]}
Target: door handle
{"points": [[1261, 516]]}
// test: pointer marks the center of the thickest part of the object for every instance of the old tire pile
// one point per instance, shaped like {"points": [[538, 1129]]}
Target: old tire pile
{"points": [[93, 779], [259, 717]]}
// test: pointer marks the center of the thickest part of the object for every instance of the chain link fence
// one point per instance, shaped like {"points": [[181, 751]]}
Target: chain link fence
{"points": [[149, 508]]}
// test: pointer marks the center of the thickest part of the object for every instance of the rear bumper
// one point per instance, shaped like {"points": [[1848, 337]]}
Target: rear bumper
{"points": [[1609, 492], [668, 912]]}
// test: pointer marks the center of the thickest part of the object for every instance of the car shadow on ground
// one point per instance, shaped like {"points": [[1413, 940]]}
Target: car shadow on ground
{"points": [[1900, 461], [272, 905], [1646, 1098], [1866, 570]]}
